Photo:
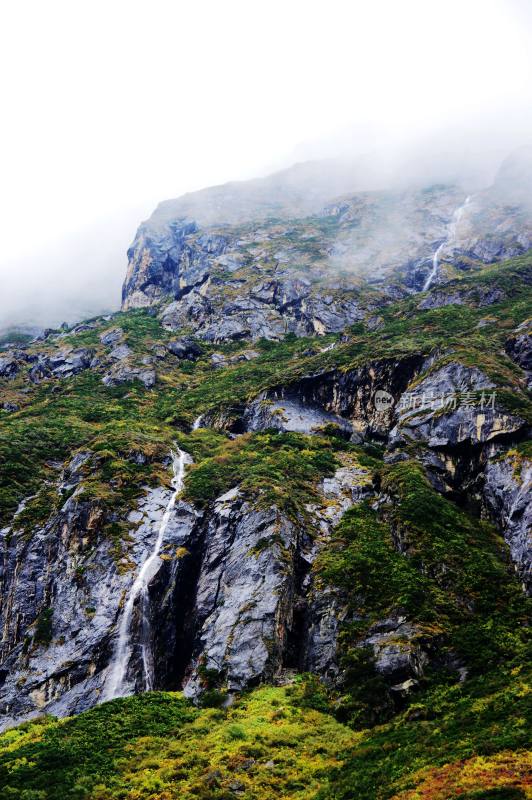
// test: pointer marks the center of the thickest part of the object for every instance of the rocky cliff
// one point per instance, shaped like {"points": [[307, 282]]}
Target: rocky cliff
{"points": [[355, 505], [225, 265]]}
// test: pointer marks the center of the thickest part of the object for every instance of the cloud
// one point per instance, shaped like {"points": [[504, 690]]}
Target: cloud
{"points": [[112, 107]]}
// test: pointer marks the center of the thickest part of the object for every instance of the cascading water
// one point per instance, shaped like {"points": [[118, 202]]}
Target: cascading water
{"points": [[116, 685], [457, 216], [197, 422]]}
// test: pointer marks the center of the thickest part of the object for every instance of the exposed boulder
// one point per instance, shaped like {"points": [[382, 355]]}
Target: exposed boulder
{"points": [[61, 364], [111, 336], [124, 371], [9, 365], [397, 648], [69, 362], [120, 352], [184, 348]]}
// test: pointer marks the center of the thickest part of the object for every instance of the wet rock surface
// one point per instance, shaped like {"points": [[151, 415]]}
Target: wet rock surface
{"points": [[508, 499], [62, 591], [245, 595]]}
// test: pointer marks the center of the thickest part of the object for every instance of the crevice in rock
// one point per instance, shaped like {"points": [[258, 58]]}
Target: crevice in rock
{"points": [[296, 635], [173, 601]]}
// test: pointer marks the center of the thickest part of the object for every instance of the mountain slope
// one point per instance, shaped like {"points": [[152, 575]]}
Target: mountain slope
{"points": [[352, 529]]}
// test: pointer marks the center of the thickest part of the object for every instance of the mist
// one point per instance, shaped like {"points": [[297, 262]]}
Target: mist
{"points": [[112, 108]]}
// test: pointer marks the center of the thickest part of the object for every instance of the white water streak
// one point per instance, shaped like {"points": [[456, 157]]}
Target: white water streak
{"points": [[457, 216], [116, 685]]}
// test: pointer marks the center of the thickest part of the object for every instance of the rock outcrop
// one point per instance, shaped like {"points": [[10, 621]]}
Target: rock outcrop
{"points": [[508, 500], [62, 593], [228, 270]]}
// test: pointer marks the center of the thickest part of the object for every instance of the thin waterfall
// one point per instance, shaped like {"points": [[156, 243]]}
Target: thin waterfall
{"points": [[457, 216], [197, 422], [116, 685]]}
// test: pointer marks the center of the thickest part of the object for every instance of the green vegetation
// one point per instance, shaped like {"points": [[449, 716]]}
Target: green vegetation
{"points": [[271, 742], [416, 555], [460, 739], [158, 746], [276, 468], [423, 558], [43, 627], [58, 417]]}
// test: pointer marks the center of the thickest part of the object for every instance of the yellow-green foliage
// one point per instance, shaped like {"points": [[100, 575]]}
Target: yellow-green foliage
{"points": [[467, 741], [56, 417], [158, 747], [463, 741], [280, 468]]}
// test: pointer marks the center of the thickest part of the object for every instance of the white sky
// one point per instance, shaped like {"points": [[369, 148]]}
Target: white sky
{"points": [[109, 107]]}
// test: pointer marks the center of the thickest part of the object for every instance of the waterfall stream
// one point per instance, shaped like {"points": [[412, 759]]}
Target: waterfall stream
{"points": [[457, 216], [116, 685]]}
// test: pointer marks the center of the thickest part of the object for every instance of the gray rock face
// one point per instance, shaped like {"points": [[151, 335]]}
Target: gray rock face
{"points": [[452, 378], [111, 337], [70, 362], [519, 348], [478, 297], [168, 259], [257, 610], [326, 614], [234, 595], [462, 440], [350, 397], [291, 415], [444, 410], [464, 426], [120, 352], [232, 269], [245, 595], [9, 365], [184, 348], [397, 647], [124, 371], [508, 499], [61, 364], [67, 569], [451, 413], [286, 307]]}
